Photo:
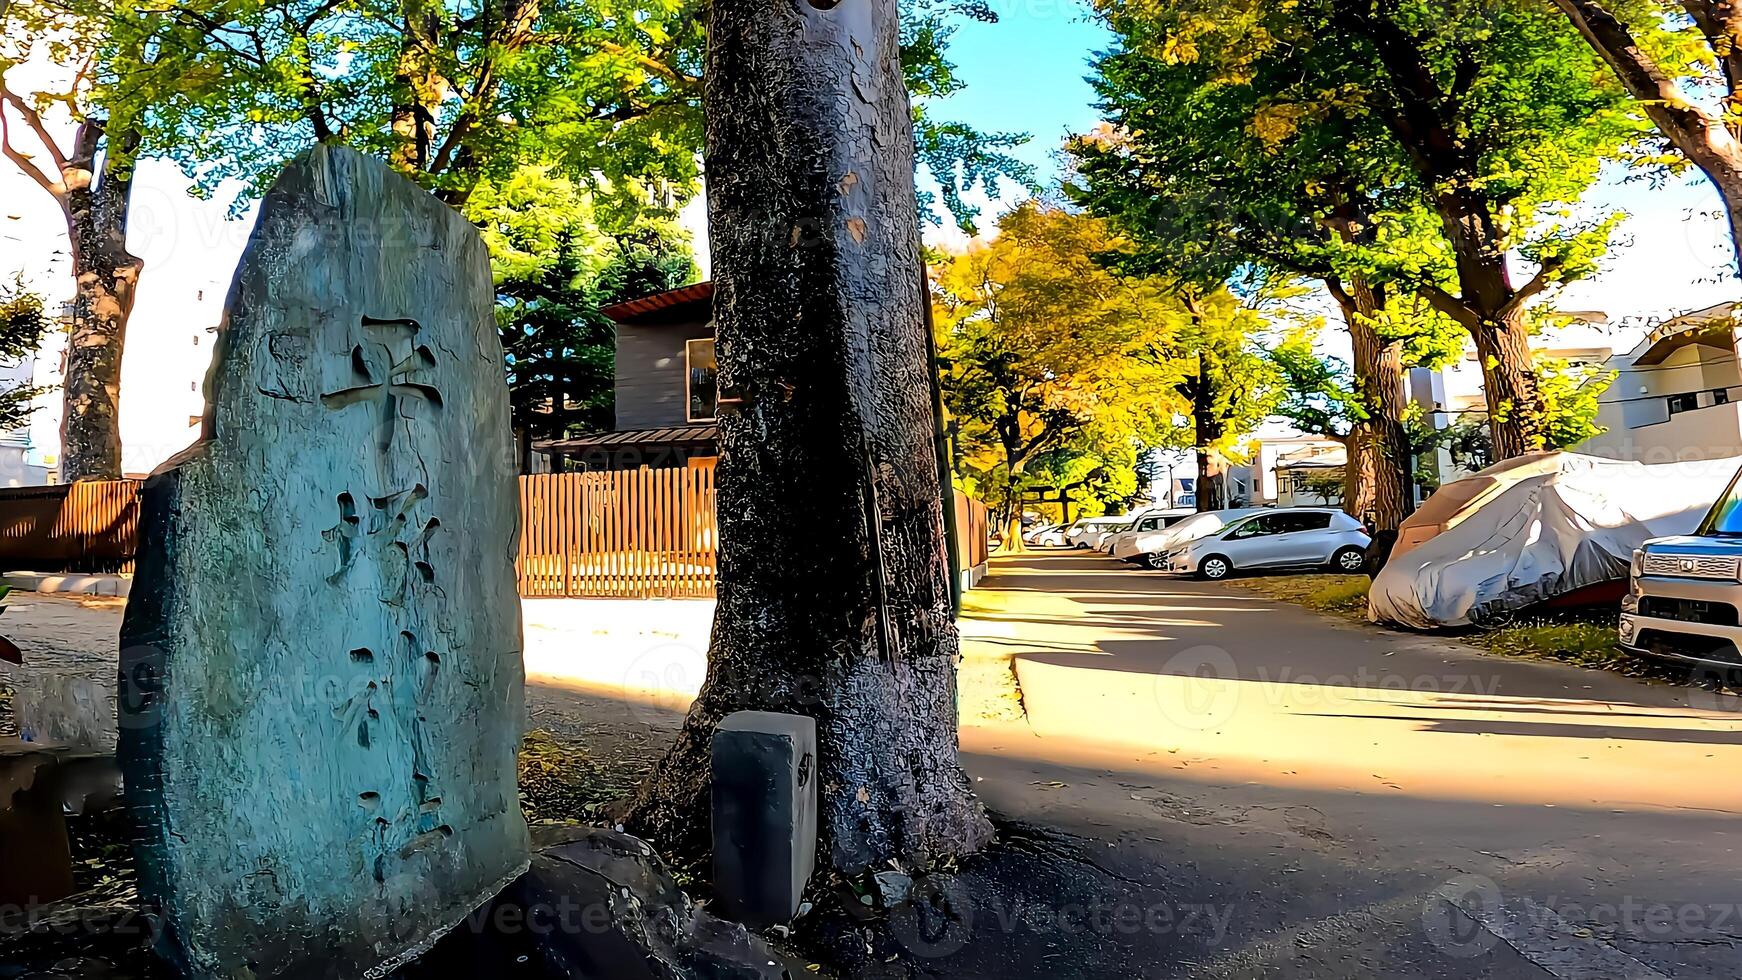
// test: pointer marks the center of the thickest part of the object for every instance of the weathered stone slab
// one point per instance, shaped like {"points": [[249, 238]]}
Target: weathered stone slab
{"points": [[322, 684]]}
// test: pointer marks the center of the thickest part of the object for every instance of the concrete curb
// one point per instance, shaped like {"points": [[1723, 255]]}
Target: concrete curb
{"points": [[70, 583]]}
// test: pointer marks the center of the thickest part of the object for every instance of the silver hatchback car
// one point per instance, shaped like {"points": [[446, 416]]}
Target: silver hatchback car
{"points": [[1293, 538]]}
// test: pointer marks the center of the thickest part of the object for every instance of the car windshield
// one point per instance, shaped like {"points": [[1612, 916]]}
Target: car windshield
{"points": [[1725, 517]]}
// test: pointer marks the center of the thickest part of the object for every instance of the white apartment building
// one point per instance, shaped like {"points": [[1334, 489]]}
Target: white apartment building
{"points": [[1677, 394]]}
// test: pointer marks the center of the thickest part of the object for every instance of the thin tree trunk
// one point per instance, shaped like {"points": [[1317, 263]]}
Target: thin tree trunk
{"points": [[1012, 543], [106, 277], [1378, 478], [1208, 428], [833, 593]]}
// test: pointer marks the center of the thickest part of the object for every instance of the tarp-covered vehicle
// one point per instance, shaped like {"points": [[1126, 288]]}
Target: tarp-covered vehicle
{"points": [[1543, 528]]}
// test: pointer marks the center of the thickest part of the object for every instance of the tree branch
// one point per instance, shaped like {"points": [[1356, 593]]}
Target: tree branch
{"points": [[1544, 278], [33, 119], [1450, 305], [1697, 133], [55, 188]]}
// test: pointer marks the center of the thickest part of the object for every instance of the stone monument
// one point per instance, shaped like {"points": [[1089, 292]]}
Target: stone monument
{"points": [[321, 673]]}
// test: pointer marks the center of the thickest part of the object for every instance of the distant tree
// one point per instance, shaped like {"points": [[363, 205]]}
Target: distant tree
{"points": [[1043, 347], [560, 254], [22, 326], [1487, 118], [1217, 367], [1327, 485]]}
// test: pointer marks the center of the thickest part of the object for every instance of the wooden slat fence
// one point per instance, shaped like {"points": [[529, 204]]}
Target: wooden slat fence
{"points": [[631, 534], [85, 527], [973, 532]]}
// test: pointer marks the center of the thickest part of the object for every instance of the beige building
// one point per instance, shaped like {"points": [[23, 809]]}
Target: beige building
{"points": [[1677, 394]]}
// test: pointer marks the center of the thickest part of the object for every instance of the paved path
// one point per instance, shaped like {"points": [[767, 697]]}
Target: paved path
{"points": [[1222, 786], [1268, 793]]}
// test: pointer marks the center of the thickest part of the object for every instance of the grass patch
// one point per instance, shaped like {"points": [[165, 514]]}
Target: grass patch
{"points": [[1339, 595], [560, 782], [1585, 637]]}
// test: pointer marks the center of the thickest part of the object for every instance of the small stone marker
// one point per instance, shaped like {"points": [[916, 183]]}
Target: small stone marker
{"points": [[322, 684], [765, 814]]}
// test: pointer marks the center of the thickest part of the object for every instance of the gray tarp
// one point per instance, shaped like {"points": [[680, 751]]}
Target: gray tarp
{"points": [[1540, 529]]}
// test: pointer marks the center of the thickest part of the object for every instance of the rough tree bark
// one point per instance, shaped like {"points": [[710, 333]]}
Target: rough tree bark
{"points": [[1710, 140], [107, 277], [833, 597], [94, 200], [1377, 476]]}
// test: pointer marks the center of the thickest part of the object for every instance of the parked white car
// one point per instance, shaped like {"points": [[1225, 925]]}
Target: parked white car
{"points": [[1047, 536], [1087, 533], [1293, 538], [1150, 522], [1146, 548]]}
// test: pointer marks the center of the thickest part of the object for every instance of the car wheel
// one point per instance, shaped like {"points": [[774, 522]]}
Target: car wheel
{"points": [[1215, 568], [1153, 562], [1350, 561]]}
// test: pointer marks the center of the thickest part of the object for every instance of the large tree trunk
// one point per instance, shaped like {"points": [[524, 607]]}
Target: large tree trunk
{"points": [[106, 276], [1515, 410], [1378, 471], [1492, 309], [834, 598]]}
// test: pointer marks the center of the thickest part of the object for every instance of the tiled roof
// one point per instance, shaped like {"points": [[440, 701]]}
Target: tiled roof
{"points": [[634, 308], [634, 437]]}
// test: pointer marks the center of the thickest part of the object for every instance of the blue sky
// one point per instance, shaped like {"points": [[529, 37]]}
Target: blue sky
{"points": [[1025, 74]]}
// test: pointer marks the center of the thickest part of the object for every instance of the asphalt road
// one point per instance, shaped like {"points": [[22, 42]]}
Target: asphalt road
{"points": [[1219, 785]]}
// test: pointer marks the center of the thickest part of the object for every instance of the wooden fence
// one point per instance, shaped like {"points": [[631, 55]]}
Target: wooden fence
{"points": [[632, 533], [85, 527], [973, 532]]}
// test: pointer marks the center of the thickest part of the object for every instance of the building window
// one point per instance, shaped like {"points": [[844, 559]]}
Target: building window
{"points": [[1685, 402], [1720, 396], [701, 379]]}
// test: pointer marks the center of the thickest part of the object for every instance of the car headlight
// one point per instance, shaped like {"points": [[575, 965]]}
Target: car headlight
{"points": [[1638, 562]]}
